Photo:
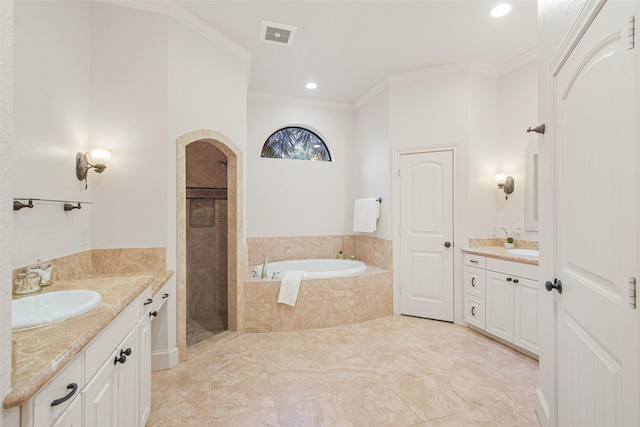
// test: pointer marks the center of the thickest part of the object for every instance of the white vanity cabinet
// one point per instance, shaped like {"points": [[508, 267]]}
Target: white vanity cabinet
{"points": [[501, 298], [107, 384], [114, 396]]}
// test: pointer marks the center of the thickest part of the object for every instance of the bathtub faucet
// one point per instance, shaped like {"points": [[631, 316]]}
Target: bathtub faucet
{"points": [[263, 275]]}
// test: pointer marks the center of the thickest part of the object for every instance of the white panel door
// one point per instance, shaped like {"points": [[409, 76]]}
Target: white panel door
{"points": [[426, 235], [596, 218], [525, 322], [500, 310], [99, 397]]}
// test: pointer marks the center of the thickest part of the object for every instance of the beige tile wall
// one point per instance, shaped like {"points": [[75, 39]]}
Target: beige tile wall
{"points": [[371, 250], [497, 241], [106, 261], [321, 302]]}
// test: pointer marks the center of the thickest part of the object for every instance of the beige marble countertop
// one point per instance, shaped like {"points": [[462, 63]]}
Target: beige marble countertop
{"points": [[501, 253], [43, 352]]}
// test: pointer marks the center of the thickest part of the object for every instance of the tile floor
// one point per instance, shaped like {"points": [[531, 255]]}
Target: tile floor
{"points": [[395, 371]]}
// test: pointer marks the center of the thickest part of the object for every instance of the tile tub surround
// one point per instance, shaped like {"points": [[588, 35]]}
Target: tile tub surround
{"points": [[321, 302], [370, 250], [45, 351], [394, 371]]}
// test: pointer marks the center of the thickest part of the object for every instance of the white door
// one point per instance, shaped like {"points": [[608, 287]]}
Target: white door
{"points": [[128, 376], [145, 368], [99, 397], [426, 235], [525, 321], [500, 310], [596, 218]]}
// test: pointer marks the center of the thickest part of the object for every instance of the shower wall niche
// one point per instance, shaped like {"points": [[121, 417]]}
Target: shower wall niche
{"points": [[206, 179]]}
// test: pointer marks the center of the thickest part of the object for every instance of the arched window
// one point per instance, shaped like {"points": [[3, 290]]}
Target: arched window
{"points": [[295, 143]]}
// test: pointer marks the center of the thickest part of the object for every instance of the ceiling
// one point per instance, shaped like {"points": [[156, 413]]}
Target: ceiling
{"points": [[349, 46]]}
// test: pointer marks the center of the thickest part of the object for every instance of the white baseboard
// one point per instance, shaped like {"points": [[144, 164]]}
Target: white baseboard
{"points": [[164, 359]]}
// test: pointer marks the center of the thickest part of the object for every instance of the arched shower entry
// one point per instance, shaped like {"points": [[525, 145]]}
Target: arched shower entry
{"points": [[209, 224]]}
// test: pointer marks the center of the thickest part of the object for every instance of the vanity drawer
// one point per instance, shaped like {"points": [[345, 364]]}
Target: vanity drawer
{"points": [[475, 281], [474, 311], [61, 385], [475, 260], [510, 268]]}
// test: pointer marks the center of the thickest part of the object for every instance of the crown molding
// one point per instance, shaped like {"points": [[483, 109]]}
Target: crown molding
{"points": [[371, 94], [168, 8], [519, 61]]}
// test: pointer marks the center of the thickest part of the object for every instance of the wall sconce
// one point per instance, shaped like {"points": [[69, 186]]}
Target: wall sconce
{"points": [[99, 156], [506, 183]]}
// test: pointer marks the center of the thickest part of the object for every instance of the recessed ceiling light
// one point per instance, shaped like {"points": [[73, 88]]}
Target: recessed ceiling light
{"points": [[311, 85], [500, 10]]}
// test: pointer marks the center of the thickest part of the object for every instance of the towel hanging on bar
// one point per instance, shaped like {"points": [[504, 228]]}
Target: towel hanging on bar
{"points": [[365, 215]]}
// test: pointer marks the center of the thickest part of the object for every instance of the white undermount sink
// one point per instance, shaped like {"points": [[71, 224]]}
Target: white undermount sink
{"points": [[39, 310], [526, 252]]}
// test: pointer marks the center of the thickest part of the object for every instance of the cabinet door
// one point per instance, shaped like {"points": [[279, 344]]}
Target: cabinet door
{"points": [[127, 377], [145, 368], [72, 416], [99, 397], [474, 281], [499, 314], [526, 314]]}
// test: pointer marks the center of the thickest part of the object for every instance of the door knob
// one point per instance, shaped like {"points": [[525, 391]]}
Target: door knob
{"points": [[447, 244], [557, 284]]}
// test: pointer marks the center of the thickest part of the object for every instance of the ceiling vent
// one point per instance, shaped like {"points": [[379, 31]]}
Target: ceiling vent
{"points": [[273, 32]]}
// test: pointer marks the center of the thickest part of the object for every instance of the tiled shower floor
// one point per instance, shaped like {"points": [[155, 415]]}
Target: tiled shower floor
{"points": [[395, 371], [200, 328]]}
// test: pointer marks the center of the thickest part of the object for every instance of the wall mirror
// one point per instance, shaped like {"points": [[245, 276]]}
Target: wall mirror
{"points": [[531, 187]]}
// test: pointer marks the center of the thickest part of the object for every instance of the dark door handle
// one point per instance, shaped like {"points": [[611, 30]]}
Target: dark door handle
{"points": [[447, 244], [473, 311], [473, 280], [148, 301], [557, 284], [153, 314]]}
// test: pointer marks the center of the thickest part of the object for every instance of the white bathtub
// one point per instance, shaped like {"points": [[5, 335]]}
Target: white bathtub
{"points": [[313, 268]]}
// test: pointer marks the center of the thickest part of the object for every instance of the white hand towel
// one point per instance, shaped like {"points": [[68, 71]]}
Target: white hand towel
{"points": [[289, 287], [365, 215]]}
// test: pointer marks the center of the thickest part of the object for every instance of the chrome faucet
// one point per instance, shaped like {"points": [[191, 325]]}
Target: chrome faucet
{"points": [[263, 275]]}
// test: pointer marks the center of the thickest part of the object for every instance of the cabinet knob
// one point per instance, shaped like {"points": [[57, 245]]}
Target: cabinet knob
{"points": [[153, 314], [126, 352], [447, 244], [516, 281], [121, 359], [509, 279], [73, 387]]}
